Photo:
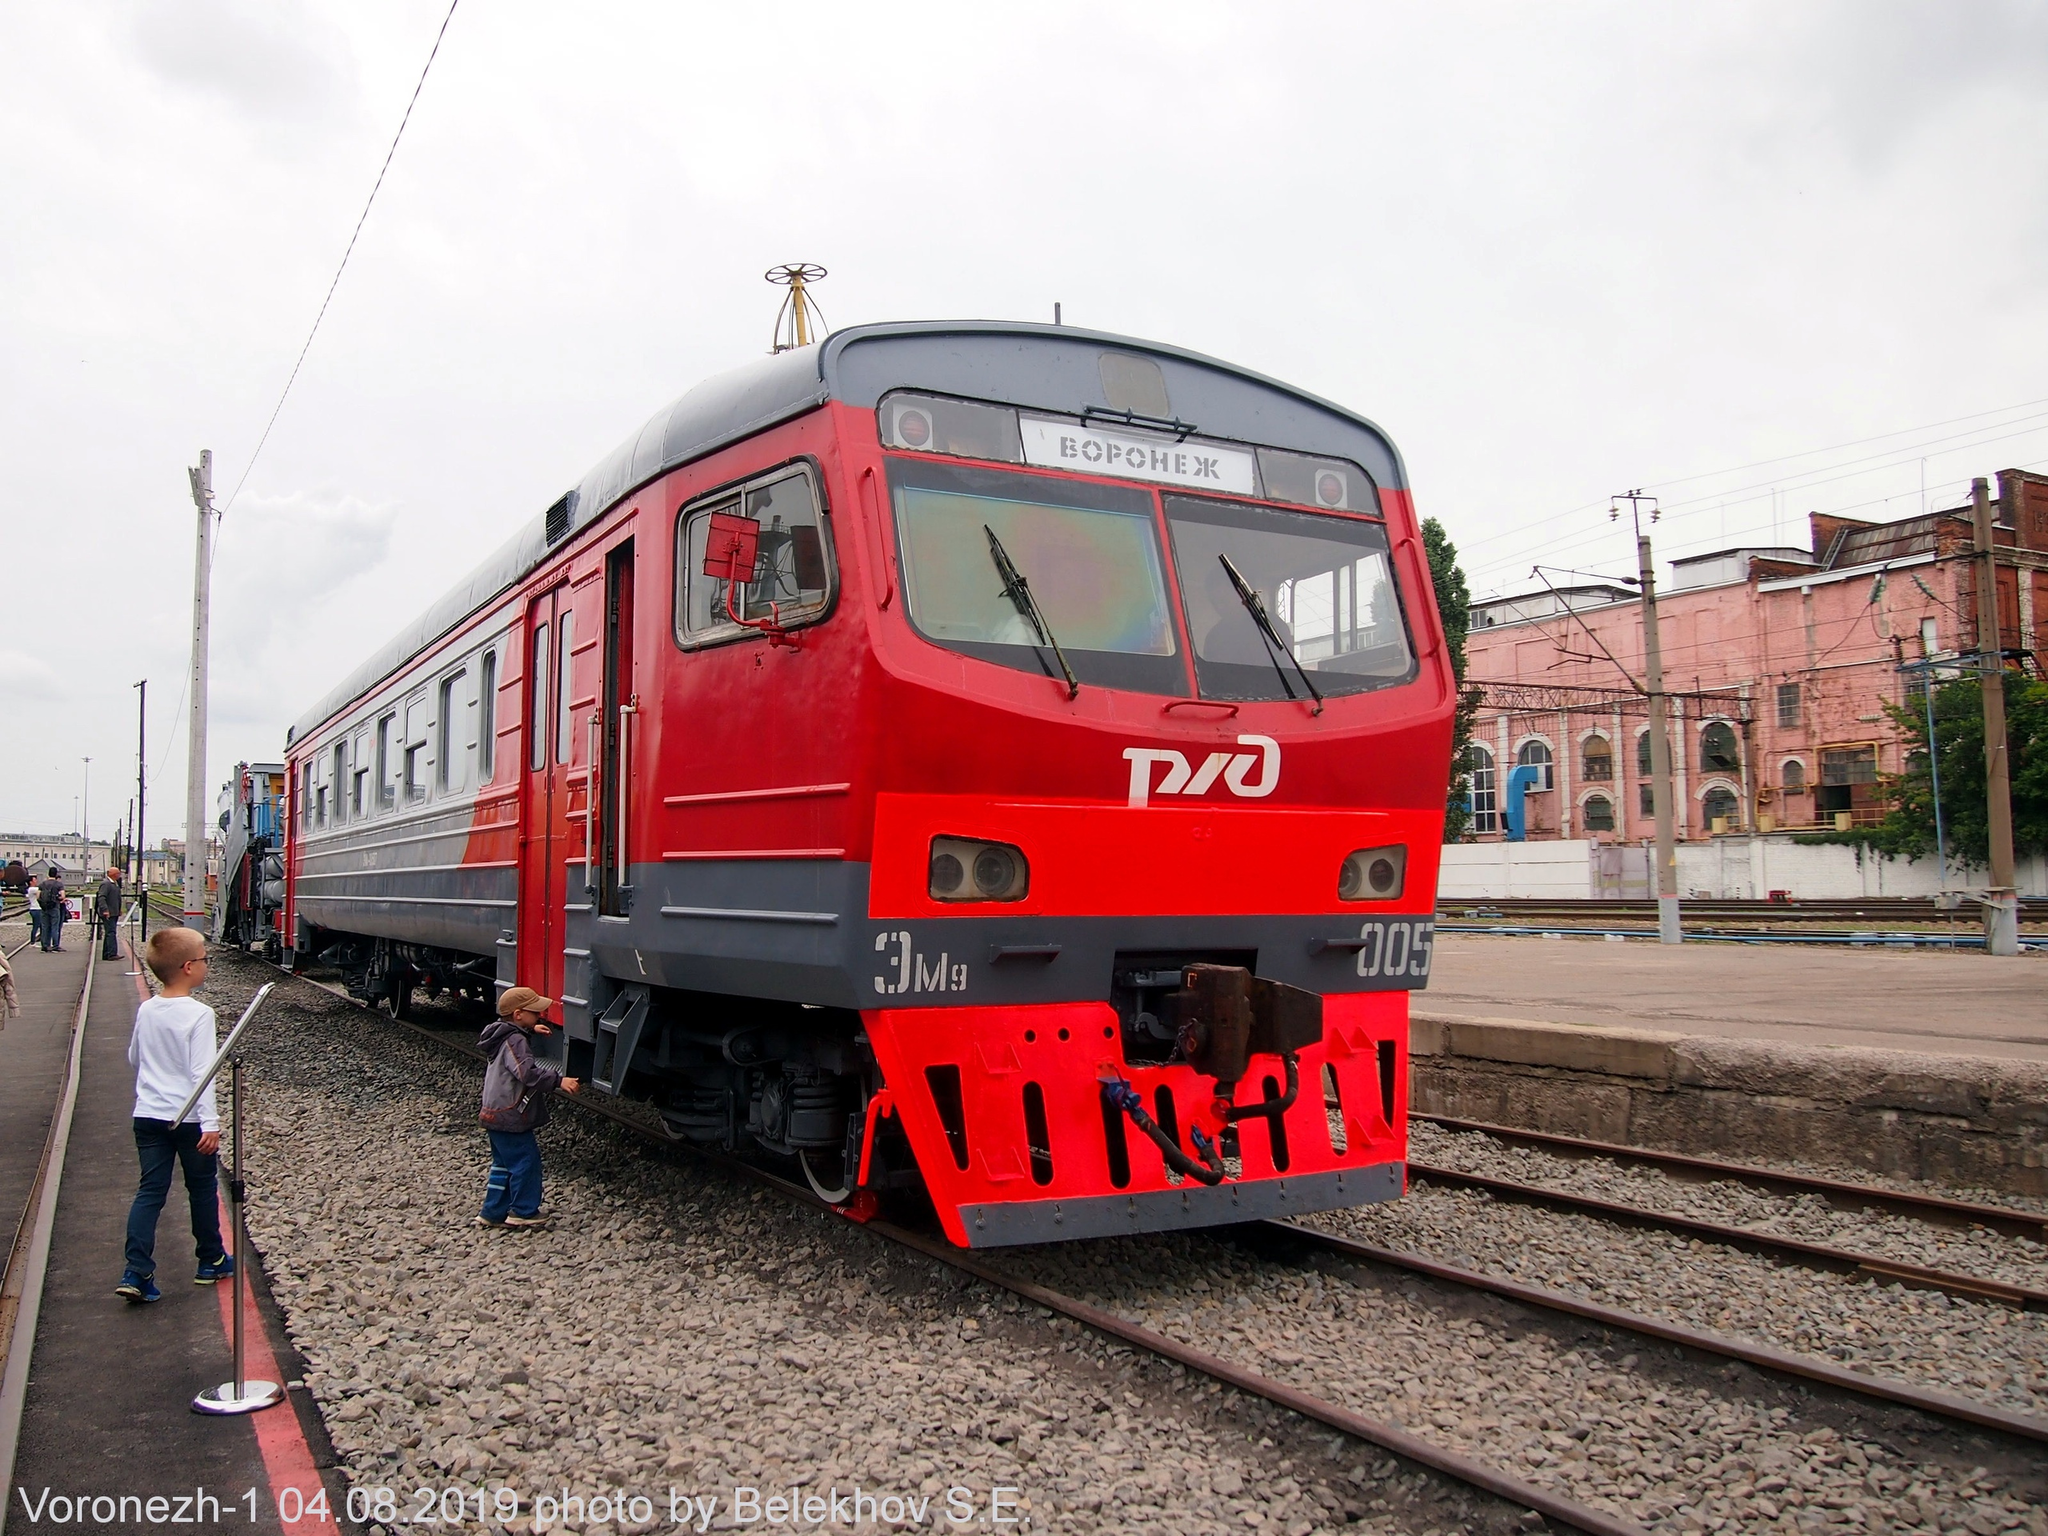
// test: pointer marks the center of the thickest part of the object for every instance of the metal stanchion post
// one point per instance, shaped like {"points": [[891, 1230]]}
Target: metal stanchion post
{"points": [[134, 945], [240, 1395]]}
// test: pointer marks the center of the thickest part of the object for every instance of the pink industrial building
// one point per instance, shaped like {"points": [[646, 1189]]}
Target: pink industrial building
{"points": [[1782, 660]]}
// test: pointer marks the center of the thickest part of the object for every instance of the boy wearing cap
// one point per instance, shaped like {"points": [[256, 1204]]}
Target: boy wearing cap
{"points": [[515, 1105]]}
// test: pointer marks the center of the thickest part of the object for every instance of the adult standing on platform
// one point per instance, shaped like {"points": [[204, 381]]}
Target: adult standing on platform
{"points": [[54, 913], [106, 906], [34, 896]]}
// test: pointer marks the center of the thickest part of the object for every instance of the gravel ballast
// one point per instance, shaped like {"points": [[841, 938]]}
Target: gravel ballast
{"points": [[679, 1330], [1609, 1420]]}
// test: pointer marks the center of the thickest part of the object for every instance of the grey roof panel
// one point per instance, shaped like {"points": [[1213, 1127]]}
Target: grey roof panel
{"points": [[1052, 368], [1058, 368]]}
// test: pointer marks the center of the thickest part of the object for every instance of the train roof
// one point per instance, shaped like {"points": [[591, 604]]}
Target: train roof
{"points": [[1052, 368]]}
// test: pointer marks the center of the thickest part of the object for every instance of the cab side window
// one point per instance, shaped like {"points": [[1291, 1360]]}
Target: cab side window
{"points": [[791, 580]]}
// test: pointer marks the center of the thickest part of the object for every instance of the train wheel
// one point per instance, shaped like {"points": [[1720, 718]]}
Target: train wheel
{"points": [[835, 1190]]}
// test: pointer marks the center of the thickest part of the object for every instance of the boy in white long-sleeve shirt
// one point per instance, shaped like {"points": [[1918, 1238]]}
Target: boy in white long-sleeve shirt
{"points": [[172, 1045]]}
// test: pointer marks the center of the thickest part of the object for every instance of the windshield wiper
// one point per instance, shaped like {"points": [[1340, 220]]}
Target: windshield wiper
{"points": [[1018, 590], [1276, 647]]}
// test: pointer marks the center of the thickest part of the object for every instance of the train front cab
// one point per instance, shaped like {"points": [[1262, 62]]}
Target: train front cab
{"points": [[1184, 842]]}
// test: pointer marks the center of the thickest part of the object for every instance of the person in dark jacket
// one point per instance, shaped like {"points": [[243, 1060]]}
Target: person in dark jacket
{"points": [[512, 1192], [106, 906], [51, 898]]}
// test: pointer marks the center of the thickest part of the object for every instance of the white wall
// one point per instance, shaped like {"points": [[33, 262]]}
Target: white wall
{"points": [[1726, 867], [1488, 871]]}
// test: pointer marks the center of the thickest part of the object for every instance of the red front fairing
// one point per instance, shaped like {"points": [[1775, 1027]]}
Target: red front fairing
{"points": [[1068, 1051]]}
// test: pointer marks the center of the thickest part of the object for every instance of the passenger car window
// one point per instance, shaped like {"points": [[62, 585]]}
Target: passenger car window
{"points": [[416, 750], [487, 716], [792, 576]]}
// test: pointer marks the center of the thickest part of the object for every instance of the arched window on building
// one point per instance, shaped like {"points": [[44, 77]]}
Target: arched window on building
{"points": [[1598, 813], [1598, 761], [1534, 754], [1485, 798], [1718, 753], [1792, 776], [1720, 801]]}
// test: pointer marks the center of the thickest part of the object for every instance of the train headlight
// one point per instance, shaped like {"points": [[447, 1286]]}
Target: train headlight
{"points": [[965, 869], [1373, 874]]}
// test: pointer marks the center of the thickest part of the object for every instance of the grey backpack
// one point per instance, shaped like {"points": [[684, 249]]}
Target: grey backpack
{"points": [[509, 1105]]}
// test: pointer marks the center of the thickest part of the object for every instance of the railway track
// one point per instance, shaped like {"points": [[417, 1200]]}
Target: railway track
{"points": [[1470, 1471], [1811, 1255], [1840, 1193], [1892, 909]]}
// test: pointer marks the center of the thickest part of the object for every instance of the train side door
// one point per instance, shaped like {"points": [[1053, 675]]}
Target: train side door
{"points": [[618, 711], [549, 744]]}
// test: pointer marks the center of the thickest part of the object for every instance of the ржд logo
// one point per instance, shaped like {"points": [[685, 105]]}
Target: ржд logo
{"points": [[1234, 768]]}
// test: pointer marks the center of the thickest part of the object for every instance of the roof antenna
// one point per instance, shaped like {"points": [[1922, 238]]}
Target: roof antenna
{"points": [[800, 307], [1055, 311]]}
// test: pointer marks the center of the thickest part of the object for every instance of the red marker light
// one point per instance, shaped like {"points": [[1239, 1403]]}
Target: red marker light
{"points": [[914, 429], [1330, 489]]}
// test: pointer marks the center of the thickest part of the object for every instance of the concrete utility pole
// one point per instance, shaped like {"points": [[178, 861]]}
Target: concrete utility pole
{"points": [[195, 766], [2001, 902], [141, 791], [1662, 799]]}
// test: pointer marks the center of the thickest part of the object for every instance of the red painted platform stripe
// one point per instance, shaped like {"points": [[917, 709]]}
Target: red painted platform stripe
{"points": [[287, 1458]]}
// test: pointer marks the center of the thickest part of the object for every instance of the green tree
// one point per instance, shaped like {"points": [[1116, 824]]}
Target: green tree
{"points": [[1453, 606], [1959, 730]]}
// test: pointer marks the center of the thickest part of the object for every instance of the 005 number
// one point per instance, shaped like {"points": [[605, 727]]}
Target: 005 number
{"points": [[1395, 949]]}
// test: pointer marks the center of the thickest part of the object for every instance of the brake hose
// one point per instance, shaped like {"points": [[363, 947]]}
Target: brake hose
{"points": [[1121, 1095]]}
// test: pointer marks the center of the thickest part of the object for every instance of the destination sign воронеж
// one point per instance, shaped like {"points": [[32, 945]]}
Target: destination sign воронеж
{"points": [[1054, 444]]}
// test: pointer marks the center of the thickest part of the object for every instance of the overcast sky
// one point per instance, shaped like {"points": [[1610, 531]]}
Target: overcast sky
{"points": [[1556, 251]]}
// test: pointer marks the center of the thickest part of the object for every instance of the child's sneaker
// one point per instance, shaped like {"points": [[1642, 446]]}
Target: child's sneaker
{"points": [[215, 1269], [137, 1289]]}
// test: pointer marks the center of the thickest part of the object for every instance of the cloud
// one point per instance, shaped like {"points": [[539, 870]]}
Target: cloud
{"points": [[277, 62], [26, 679]]}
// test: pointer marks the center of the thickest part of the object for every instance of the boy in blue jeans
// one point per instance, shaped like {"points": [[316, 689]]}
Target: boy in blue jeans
{"points": [[172, 1045]]}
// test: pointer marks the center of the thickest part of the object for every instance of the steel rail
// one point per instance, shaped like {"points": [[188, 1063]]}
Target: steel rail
{"points": [[1855, 940], [1899, 1202], [1810, 1255], [1478, 1474], [1896, 908], [1783, 1362]]}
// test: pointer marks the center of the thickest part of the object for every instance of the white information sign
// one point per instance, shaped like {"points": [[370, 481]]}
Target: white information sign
{"points": [[1137, 456]]}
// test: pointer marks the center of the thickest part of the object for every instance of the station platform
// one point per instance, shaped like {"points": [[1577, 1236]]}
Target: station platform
{"points": [[106, 1410], [1950, 1002]]}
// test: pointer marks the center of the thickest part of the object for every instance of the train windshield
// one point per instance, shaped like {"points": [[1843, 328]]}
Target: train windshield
{"points": [[1325, 585], [1095, 558], [1090, 553]]}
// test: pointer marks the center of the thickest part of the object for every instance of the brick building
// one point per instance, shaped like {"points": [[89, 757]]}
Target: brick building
{"points": [[1781, 661]]}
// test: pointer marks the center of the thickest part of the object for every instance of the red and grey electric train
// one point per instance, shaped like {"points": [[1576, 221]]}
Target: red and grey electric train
{"points": [[1000, 758]]}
